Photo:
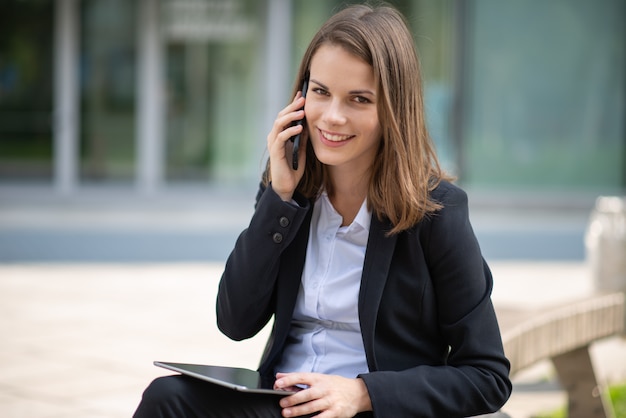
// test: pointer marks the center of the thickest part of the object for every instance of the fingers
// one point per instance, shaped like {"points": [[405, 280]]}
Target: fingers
{"points": [[284, 127], [308, 408], [331, 396], [284, 380], [284, 177], [296, 104], [306, 401]]}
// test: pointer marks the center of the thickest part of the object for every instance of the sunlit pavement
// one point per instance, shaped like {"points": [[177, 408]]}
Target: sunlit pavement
{"points": [[78, 340]]}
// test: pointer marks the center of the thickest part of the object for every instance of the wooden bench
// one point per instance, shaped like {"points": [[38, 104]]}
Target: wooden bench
{"points": [[564, 335]]}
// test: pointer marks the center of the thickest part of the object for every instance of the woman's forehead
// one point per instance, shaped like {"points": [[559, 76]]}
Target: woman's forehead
{"points": [[334, 64]]}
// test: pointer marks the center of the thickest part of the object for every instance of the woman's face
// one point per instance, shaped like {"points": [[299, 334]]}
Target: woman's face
{"points": [[341, 111]]}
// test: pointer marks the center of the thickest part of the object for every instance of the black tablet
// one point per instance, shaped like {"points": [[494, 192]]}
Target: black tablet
{"points": [[244, 380]]}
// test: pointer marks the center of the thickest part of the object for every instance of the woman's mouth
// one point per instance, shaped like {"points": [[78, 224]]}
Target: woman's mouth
{"points": [[333, 137]]}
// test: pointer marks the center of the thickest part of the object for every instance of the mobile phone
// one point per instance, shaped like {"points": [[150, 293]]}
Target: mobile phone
{"points": [[296, 138]]}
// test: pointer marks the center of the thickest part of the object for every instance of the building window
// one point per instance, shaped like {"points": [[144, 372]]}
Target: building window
{"points": [[26, 90], [107, 89]]}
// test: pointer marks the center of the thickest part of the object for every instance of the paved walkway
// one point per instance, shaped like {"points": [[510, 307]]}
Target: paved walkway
{"points": [[78, 340]]}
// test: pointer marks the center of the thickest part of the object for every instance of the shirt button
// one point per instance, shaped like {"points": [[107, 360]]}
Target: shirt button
{"points": [[283, 221], [277, 237]]}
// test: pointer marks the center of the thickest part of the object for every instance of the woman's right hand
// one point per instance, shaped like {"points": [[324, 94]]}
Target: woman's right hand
{"points": [[284, 177]]}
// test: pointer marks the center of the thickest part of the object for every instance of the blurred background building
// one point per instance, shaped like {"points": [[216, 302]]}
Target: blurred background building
{"points": [[521, 95]]}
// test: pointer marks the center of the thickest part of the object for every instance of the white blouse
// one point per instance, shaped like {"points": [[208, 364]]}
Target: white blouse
{"points": [[325, 335]]}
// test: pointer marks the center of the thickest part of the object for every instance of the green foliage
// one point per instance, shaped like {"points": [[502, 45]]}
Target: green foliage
{"points": [[618, 399], [559, 413]]}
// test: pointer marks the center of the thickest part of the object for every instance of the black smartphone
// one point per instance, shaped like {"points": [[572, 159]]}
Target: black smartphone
{"points": [[296, 138]]}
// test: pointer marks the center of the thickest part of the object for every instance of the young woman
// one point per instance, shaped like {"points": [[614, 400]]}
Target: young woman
{"points": [[364, 256]]}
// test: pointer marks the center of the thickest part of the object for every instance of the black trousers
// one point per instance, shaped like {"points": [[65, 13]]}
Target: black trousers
{"points": [[182, 396]]}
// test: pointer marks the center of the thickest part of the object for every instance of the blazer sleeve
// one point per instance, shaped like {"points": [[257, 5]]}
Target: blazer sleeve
{"points": [[246, 293], [473, 378]]}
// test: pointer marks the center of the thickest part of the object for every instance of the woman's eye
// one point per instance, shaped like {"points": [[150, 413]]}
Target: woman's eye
{"points": [[318, 90], [361, 99]]}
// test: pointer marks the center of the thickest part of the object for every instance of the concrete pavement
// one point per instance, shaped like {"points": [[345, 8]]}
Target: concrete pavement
{"points": [[78, 340]]}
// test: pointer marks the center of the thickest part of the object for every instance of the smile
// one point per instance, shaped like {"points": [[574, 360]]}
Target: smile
{"points": [[334, 137]]}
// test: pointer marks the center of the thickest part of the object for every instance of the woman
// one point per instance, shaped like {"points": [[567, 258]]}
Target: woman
{"points": [[364, 256]]}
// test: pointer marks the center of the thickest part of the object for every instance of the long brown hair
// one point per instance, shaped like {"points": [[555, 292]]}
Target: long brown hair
{"points": [[408, 168]]}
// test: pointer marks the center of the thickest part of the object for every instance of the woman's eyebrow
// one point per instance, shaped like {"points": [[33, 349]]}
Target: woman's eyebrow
{"points": [[362, 91], [359, 92], [322, 85]]}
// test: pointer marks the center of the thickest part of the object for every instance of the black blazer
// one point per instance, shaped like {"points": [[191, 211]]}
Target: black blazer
{"points": [[430, 333]]}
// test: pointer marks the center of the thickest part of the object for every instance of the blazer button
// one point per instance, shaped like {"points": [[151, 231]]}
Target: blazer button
{"points": [[277, 237], [283, 221]]}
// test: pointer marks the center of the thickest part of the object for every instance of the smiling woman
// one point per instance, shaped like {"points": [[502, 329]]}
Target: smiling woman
{"points": [[363, 256]]}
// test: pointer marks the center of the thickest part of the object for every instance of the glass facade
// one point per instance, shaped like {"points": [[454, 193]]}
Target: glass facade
{"points": [[213, 61], [545, 99], [525, 95], [26, 90], [107, 90]]}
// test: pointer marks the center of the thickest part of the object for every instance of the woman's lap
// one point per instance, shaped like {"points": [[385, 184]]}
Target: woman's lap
{"points": [[183, 396]]}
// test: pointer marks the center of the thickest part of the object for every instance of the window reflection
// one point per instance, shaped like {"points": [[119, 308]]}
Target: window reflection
{"points": [[108, 61], [26, 90]]}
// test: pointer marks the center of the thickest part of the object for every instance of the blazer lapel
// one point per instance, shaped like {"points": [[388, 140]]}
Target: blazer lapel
{"points": [[378, 257]]}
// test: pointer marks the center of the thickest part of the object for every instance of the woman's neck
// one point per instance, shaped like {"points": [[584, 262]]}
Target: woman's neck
{"points": [[348, 193]]}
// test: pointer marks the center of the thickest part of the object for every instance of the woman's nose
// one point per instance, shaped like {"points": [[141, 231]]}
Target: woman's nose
{"points": [[334, 114]]}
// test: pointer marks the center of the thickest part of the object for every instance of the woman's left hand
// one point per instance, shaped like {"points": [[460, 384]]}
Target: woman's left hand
{"points": [[331, 396]]}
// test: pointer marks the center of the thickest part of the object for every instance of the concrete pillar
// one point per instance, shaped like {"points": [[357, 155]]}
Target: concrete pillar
{"points": [[277, 61], [151, 116], [66, 96], [585, 397]]}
